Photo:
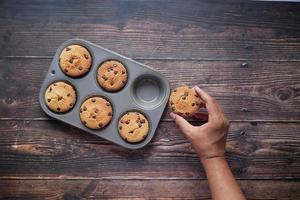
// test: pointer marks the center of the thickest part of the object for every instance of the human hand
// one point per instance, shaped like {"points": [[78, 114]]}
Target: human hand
{"points": [[209, 139]]}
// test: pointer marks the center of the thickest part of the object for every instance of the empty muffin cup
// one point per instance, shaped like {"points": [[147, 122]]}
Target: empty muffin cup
{"points": [[148, 91]]}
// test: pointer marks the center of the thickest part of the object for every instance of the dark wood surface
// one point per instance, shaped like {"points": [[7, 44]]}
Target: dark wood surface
{"points": [[246, 54]]}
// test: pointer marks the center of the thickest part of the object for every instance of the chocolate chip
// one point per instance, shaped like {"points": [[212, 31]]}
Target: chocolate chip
{"points": [[59, 98], [105, 77], [49, 100], [197, 104], [127, 121], [80, 68], [71, 60], [123, 81], [68, 49], [187, 113], [193, 104], [68, 95], [196, 95], [96, 110], [140, 125], [66, 70], [58, 109], [184, 98], [123, 72], [186, 94], [122, 121], [112, 83], [93, 100], [94, 117], [137, 121], [143, 121], [109, 114], [100, 125], [171, 102], [54, 84], [115, 72], [80, 110], [107, 104], [86, 56], [130, 132], [84, 108], [120, 127], [50, 89], [179, 113], [175, 90], [71, 104]]}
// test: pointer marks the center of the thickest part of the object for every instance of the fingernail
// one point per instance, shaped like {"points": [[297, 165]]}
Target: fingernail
{"points": [[172, 115]]}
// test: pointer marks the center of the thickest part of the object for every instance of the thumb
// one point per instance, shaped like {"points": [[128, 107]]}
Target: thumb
{"points": [[184, 125]]}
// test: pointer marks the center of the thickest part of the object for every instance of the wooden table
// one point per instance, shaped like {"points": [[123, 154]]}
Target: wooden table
{"points": [[246, 55]]}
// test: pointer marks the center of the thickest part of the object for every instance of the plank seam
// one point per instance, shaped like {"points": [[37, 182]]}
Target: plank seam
{"points": [[136, 178], [164, 120], [167, 59]]}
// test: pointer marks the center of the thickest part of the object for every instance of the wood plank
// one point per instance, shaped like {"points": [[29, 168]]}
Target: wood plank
{"points": [[148, 29], [53, 149], [260, 91], [141, 189]]}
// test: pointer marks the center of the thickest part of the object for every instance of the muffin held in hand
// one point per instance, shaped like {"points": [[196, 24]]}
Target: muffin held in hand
{"points": [[185, 101], [60, 97], [133, 127], [75, 60], [96, 113], [112, 75]]}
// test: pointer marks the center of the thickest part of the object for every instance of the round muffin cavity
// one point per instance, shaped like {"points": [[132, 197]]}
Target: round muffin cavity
{"points": [[75, 60], [133, 127], [185, 101], [96, 112], [60, 97], [112, 75]]}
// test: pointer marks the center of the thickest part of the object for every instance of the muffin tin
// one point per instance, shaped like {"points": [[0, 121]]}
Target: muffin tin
{"points": [[146, 91]]}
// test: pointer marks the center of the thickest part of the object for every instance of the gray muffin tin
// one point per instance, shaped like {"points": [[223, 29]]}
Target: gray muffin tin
{"points": [[146, 91]]}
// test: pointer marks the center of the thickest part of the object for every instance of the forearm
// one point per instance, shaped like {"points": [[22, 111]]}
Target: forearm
{"points": [[221, 180]]}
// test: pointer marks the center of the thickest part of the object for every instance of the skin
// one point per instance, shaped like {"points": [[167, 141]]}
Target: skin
{"points": [[209, 142]]}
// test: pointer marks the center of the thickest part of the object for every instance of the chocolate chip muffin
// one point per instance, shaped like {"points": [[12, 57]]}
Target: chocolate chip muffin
{"points": [[185, 101], [96, 112], [133, 127], [112, 75], [75, 60], [60, 97]]}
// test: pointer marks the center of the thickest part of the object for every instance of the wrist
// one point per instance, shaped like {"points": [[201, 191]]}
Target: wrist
{"points": [[212, 160]]}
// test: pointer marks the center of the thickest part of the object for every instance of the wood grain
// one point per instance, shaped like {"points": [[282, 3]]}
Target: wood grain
{"points": [[147, 29], [143, 189], [245, 54], [53, 149], [259, 91]]}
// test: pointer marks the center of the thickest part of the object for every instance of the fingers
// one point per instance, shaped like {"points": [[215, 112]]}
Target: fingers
{"points": [[206, 97], [213, 108], [184, 125]]}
